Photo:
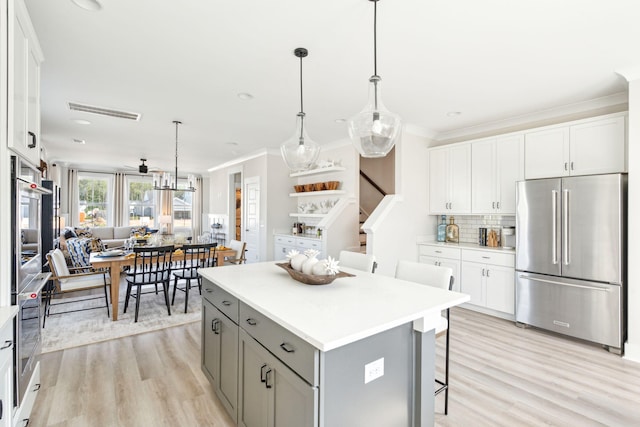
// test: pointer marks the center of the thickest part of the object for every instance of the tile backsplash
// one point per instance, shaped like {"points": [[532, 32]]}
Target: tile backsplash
{"points": [[469, 224]]}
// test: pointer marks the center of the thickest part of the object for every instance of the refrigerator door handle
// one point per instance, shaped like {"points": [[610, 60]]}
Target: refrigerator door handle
{"points": [[572, 285], [554, 226], [565, 227]]}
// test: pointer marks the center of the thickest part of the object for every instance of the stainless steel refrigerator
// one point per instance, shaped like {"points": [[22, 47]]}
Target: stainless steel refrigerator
{"points": [[570, 256]]}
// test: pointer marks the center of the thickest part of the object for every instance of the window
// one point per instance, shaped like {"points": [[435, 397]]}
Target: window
{"points": [[143, 201], [182, 210], [94, 193]]}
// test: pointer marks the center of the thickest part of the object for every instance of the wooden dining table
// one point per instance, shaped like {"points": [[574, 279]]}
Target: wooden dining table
{"points": [[115, 264]]}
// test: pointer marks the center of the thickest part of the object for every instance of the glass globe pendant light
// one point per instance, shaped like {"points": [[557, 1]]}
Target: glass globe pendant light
{"points": [[374, 130], [300, 152]]}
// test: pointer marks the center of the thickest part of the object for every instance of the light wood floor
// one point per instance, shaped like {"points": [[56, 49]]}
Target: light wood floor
{"points": [[500, 376]]}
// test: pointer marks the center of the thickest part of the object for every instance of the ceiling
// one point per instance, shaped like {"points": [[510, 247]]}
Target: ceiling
{"points": [[489, 60]]}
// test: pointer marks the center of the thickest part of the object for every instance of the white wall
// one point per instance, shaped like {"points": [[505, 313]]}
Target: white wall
{"points": [[396, 231], [5, 170], [632, 346]]}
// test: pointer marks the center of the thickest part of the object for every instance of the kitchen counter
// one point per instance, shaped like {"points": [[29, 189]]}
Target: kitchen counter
{"points": [[330, 316], [358, 351], [473, 246]]}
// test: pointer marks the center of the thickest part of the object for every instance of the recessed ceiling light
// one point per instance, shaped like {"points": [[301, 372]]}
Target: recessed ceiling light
{"points": [[340, 120], [88, 4], [79, 141], [245, 96], [453, 113], [82, 121]]}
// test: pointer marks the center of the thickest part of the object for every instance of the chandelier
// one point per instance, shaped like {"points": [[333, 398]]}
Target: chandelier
{"points": [[169, 182]]}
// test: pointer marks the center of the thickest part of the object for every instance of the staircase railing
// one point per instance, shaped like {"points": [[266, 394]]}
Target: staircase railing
{"points": [[373, 184]]}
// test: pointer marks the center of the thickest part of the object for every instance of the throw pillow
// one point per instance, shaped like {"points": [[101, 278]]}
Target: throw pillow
{"points": [[138, 230], [68, 233], [83, 232], [23, 239]]}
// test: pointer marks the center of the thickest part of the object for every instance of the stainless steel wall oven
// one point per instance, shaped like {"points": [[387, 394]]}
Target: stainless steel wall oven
{"points": [[27, 276]]}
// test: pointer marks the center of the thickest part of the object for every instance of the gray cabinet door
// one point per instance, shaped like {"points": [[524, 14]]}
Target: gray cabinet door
{"points": [[220, 355], [271, 394], [210, 345], [292, 399], [227, 381]]}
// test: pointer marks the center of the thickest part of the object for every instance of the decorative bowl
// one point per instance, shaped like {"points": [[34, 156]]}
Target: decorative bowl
{"points": [[308, 187], [311, 279], [299, 188], [318, 186]]}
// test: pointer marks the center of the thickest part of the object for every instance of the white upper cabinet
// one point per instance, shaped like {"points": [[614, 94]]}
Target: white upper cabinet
{"points": [[597, 147], [450, 179], [24, 84], [497, 163], [583, 148]]}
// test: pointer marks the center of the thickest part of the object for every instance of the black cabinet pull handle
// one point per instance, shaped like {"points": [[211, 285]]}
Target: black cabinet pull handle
{"points": [[227, 303], [1, 409], [25, 423], [262, 375], [7, 344], [215, 326], [33, 143], [287, 347], [252, 321], [37, 387], [267, 379], [208, 290]]}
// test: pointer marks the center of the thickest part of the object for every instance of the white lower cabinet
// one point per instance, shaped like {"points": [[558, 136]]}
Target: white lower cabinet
{"points": [[488, 278], [283, 243], [6, 373], [444, 257]]}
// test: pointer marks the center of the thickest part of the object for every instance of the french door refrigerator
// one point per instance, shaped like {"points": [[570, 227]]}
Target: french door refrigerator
{"points": [[570, 256]]}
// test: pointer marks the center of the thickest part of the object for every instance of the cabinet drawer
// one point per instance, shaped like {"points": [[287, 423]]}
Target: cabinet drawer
{"points": [[296, 353], [309, 244], [490, 257], [286, 240], [221, 299], [440, 251]]}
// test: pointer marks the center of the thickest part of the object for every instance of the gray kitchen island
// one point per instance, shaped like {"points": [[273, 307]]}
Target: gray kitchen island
{"points": [[357, 352]]}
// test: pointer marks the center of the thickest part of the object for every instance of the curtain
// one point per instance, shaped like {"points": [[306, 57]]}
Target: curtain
{"points": [[196, 210], [73, 199], [120, 201]]}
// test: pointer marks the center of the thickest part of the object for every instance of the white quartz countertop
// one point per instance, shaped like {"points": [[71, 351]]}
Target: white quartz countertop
{"points": [[473, 246], [337, 314]]}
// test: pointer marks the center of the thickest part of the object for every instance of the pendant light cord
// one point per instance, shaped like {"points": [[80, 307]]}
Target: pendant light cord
{"points": [[177, 123], [375, 39], [301, 140]]}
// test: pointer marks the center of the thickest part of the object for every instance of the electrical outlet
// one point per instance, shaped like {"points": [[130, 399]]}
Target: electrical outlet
{"points": [[373, 370]]}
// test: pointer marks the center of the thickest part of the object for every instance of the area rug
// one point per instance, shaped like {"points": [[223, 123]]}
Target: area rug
{"points": [[78, 328]]}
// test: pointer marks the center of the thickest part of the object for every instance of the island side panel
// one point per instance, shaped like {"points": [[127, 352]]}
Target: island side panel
{"points": [[387, 401], [425, 361]]}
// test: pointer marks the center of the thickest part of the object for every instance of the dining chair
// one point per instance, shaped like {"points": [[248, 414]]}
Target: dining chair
{"points": [[438, 277], [240, 248], [358, 260], [151, 266], [195, 257], [65, 281]]}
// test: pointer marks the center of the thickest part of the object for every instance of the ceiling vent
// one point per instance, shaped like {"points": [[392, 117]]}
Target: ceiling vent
{"points": [[74, 106]]}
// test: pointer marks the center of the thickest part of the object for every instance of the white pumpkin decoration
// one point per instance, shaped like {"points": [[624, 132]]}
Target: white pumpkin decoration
{"points": [[297, 261], [319, 269], [307, 266], [312, 256]]}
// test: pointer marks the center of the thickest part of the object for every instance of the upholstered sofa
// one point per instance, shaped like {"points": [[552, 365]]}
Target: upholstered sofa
{"points": [[29, 238], [113, 237]]}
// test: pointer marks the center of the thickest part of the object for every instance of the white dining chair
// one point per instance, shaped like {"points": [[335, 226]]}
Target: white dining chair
{"points": [[358, 260], [438, 277]]}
